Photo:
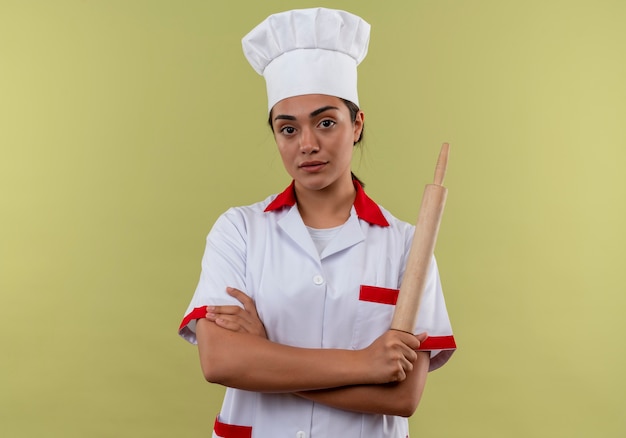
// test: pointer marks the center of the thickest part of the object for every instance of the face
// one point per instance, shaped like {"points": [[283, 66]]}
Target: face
{"points": [[315, 137]]}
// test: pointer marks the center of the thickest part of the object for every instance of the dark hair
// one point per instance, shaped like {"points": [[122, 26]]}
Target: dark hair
{"points": [[354, 111]]}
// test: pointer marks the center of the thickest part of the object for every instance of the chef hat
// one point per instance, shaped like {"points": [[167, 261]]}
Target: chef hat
{"points": [[308, 51]]}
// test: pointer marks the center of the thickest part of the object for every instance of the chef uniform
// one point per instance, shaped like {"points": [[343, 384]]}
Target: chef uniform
{"points": [[312, 288]]}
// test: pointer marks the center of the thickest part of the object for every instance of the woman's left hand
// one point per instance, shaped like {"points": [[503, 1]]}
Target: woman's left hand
{"points": [[235, 318]]}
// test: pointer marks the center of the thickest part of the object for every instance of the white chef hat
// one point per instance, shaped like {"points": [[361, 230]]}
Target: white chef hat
{"points": [[308, 51]]}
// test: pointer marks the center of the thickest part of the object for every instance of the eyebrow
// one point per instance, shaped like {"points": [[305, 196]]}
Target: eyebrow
{"points": [[313, 114], [322, 109]]}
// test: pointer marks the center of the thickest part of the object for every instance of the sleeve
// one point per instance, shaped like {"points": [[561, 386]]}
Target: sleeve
{"points": [[432, 317], [223, 265]]}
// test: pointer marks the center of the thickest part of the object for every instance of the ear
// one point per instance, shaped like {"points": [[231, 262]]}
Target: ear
{"points": [[358, 126]]}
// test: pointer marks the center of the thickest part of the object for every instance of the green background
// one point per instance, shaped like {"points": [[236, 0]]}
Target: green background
{"points": [[127, 127]]}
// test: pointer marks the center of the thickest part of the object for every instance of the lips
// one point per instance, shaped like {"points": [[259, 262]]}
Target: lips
{"points": [[312, 163], [312, 166]]}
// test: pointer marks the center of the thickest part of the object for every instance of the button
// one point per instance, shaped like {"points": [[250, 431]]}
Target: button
{"points": [[301, 434], [318, 279]]}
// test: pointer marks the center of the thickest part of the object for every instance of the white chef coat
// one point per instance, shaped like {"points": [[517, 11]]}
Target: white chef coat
{"points": [[341, 298]]}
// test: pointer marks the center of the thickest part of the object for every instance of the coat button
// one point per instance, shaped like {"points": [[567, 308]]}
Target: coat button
{"points": [[301, 434], [318, 279]]}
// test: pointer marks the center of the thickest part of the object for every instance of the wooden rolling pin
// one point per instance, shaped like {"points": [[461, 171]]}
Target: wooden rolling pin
{"points": [[422, 248]]}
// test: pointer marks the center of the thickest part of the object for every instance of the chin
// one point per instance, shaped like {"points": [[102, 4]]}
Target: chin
{"points": [[313, 183]]}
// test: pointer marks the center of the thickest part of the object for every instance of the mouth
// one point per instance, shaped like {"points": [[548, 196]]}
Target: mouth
{"points": [[312, 166]]}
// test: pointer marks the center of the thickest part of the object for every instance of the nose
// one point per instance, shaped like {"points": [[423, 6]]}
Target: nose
{"points": [[308, 142]]}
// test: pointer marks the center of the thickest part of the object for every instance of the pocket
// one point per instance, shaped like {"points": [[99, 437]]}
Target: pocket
{"points": [[374, 313]]}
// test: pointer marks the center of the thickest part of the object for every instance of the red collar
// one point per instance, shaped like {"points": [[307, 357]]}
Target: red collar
{"points": [[366, 209]]}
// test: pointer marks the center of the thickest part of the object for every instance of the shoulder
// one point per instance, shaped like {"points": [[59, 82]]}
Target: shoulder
{"points": [[241, 215], [395, 224]]}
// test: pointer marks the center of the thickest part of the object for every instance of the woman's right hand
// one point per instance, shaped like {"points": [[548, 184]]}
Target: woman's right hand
{"points": [[237, 319], [391, 356]]}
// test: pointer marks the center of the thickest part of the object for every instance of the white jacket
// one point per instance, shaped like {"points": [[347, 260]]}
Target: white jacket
{"points": [[343, 298]]}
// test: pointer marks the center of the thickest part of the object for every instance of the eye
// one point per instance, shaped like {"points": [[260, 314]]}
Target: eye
{"points": [[327, 123], [287, 130]]}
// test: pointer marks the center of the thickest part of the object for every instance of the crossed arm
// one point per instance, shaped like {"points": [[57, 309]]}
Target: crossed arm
{"points": [[387, 377]]}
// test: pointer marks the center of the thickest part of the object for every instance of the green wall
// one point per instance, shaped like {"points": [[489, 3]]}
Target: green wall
{"points": [[127, 127]]}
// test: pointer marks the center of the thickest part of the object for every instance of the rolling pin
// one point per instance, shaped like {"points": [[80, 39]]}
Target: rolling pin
{"points": [[422, 248]]}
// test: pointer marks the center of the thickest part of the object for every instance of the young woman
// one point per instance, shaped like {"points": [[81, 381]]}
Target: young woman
{"points": [[296, 295]]}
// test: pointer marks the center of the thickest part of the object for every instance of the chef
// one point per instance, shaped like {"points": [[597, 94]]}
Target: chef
{"points": [[296, 295]]}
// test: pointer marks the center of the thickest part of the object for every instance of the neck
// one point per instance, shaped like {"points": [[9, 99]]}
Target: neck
{"points": [[328, 207]]}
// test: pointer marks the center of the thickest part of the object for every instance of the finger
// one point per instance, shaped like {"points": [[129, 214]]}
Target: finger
{"points": [[409, 354], [412, 341], [422, 336], [240, 296], [408, 339], [412, 357], [407, 365], [401, 374], [408, 351], [234, 323], [408, 345], [229, 324], [225, 310], [248, 320], [246, 300]]}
